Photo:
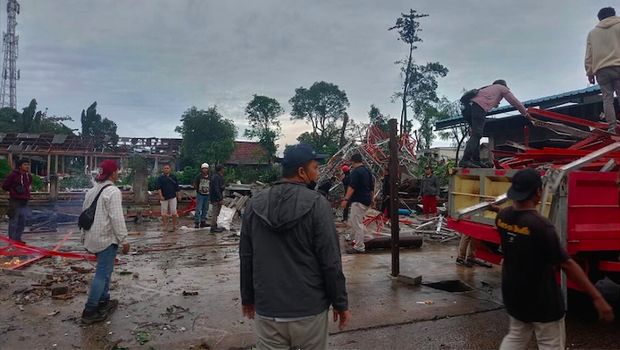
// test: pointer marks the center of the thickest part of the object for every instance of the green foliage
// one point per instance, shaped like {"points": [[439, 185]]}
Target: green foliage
{"points": [[422, 91], [10, 120], [408, 27], [330, 147], [207, 135], [457, 133], [376, 118], [187, 175], [93, 125], [441, 168], [5, 169], [420, 86], [251, 174], [262, 114], [75, 181], [37, 183], [323, 105], [31, 120], [152, 183]]}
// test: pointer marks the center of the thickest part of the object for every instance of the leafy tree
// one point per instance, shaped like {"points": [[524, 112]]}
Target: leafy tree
{"points": [[376, 118], [207, 136], [5, 169], [323, 105], [456, 133], [408, 28], [33, 121], [262, 114], [425, 134], [54, 124], [423, 87], [28, 116], [329, 147], [10, 120], [93, 125]]}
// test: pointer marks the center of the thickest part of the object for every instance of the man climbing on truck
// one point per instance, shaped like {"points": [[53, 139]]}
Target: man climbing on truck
{"points": [[476, 104]]}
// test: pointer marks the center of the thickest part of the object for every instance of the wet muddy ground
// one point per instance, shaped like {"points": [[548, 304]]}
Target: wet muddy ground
{"points": [[181, 291]]}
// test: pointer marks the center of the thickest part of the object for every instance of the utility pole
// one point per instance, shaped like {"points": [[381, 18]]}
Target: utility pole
{"points": [[394, 180], [10, 73]]}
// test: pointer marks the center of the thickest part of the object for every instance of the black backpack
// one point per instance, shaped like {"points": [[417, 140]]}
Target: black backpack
{"points": [[466, 103], [86, 219]]}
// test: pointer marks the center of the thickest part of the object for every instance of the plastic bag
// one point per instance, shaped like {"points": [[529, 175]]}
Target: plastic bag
{"points": [[225, 218]]}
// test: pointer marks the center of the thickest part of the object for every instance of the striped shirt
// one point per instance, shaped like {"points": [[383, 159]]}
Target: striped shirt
{"points": [[109, 225]]}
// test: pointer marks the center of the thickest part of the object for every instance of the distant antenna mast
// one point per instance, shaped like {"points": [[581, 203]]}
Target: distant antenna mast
{"points": [[10, 73]]}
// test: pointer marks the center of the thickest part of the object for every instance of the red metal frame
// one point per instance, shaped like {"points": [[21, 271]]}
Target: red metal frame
{"points": [[567, 118], [611, 266]]}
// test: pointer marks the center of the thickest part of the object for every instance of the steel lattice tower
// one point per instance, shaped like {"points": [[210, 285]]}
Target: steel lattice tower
{"points": [[10, 73]]}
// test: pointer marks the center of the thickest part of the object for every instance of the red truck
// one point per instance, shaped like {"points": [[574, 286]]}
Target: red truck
{"points": [[585, 209]]}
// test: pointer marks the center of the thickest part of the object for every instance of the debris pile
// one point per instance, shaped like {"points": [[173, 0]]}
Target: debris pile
{"points": [[375, 153], [60, 285], [585, 137]]}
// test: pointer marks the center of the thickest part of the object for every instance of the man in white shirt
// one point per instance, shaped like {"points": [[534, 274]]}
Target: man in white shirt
{"points": [[107, 233]]}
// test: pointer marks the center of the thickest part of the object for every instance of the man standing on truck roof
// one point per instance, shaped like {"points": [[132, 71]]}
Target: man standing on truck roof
{"points": [[477, 103], [603, 60], [532, 257]]}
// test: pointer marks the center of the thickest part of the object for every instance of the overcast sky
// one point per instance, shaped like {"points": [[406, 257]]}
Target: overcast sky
{"points": [[147, 61]]}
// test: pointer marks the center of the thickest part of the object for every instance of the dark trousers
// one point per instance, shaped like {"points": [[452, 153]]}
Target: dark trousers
{"points": [[476, 126], [17, 219], [217, 207]]}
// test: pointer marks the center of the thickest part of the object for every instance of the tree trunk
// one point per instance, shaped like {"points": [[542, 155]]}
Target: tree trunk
{"points": [[403, 115], [458, 148], [345, 121]]}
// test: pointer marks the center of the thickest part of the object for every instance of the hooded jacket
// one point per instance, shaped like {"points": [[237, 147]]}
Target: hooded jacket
{"points": [[603, 45], [18, 185], [290, 255]]}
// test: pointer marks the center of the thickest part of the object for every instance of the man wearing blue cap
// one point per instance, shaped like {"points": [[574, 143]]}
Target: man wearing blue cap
{"points": [[291, 270], [532, 256]]}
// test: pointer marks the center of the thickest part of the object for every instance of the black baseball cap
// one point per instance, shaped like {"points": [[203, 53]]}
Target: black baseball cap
{"points": [[298, 155], [524, 183]]}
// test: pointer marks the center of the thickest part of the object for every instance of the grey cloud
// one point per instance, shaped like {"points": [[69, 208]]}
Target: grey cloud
{"points": [[147, 61]]}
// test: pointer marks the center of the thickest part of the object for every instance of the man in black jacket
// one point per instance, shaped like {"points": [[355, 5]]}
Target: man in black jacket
{"points": [[291, 270], [216, 196]]}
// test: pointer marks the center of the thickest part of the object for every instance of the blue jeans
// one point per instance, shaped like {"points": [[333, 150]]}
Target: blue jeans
{"points": [[17, 222], [202, 208], [100, 287]]}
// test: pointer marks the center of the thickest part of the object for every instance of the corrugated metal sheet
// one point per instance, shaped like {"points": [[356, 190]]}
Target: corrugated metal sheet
{"points": [[59, 139], [25, 135]]}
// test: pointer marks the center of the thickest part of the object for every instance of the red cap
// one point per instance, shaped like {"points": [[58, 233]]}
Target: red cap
{"points": [[106, 168], [345, 168]]}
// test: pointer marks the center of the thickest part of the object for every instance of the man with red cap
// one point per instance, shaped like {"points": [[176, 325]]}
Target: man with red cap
{"points": [[18, 185], [106, 234]]}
